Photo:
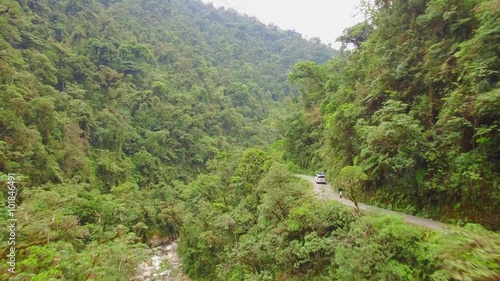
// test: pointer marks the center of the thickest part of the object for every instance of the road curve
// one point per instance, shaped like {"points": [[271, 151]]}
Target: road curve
{"points": [[326, 192]]}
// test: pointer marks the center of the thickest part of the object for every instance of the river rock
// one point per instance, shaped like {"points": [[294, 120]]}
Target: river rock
{"points": [[164, 255]]}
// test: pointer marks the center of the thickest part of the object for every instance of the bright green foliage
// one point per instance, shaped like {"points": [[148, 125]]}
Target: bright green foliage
{"points": [[351, 179], [253, 166], [97, 262], [474, 251], [381, 248]]}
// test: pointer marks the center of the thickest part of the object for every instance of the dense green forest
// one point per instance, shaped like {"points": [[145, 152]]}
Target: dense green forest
{"points": [[107, 106], [121, 121], [415, 106]]}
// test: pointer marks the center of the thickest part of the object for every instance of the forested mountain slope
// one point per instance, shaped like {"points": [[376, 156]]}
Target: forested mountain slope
{"points": [[132, 122], [413, 112], [169, 72], [107, 106]]}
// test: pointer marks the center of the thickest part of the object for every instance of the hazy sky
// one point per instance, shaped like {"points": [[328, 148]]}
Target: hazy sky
{"points": [[325, 19]]}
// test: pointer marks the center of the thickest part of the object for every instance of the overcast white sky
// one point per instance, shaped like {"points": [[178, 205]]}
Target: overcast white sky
{"points": [[325, 19]]}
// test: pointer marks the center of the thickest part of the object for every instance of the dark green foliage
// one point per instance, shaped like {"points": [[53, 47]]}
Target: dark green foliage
{"points": [[356, 34], [415, 105]]}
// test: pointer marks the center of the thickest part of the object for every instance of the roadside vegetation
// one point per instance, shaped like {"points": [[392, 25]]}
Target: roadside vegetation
{"points": [[274, 228]]}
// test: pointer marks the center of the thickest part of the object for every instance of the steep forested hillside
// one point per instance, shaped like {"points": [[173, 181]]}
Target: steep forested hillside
{"points": [[415, 108], [108, 106], [126, 123], [134, 74]]}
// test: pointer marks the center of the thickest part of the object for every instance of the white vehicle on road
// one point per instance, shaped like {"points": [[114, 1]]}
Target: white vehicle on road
{"points": [[320, 178]]}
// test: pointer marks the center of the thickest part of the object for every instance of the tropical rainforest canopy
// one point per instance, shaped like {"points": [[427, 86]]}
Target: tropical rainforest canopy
{"points": [[121, 121]]}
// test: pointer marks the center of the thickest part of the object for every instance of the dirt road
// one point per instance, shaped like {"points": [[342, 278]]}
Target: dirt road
{"points": [[326, 192]]}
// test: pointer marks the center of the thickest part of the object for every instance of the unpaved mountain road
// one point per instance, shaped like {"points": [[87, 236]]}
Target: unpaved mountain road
{"points": [[326, 192]]}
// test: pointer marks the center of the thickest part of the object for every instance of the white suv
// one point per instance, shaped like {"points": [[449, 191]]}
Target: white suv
{"points": [[320, 178]]}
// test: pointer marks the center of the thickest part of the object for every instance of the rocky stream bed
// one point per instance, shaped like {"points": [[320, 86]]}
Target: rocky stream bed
{"points": [[164, 265]]}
